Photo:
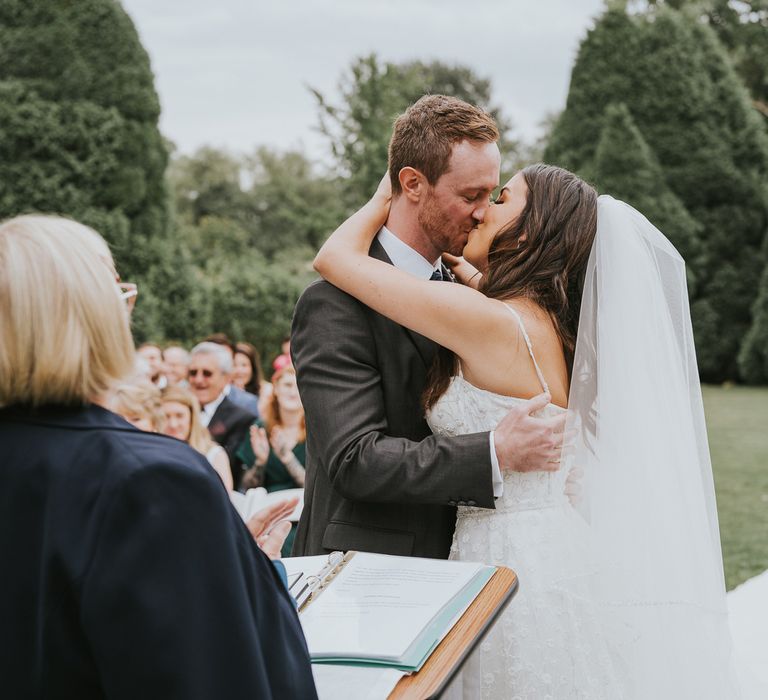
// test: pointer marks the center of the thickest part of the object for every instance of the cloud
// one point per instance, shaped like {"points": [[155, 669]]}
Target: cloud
{"points": [[235, 74]]}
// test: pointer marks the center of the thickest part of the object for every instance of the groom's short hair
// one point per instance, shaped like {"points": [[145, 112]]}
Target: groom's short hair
{"points": [[425, 134]]}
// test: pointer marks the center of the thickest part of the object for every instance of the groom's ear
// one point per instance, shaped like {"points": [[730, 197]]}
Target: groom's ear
{"points": [[412, 183]]}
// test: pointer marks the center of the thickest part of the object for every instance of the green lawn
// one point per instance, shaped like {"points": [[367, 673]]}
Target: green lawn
{"points": [[737, 420]]}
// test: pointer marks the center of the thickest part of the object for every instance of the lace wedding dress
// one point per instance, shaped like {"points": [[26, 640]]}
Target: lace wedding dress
{"points": [[631, 605], [549, 643]]}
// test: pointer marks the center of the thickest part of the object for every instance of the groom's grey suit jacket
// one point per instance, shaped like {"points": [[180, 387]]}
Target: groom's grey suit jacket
{"points": [[377, 480]]}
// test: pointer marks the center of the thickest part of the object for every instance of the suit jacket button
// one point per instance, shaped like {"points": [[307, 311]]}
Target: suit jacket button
{"points": [[461, 503], [471, 503], [451, 503]]}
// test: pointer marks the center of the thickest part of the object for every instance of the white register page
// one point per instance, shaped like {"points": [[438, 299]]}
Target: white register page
{"points": [[378, 605]]}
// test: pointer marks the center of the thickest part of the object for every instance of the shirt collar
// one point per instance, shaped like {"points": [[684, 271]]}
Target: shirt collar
{"points": [[404, 257], [207, 411]]}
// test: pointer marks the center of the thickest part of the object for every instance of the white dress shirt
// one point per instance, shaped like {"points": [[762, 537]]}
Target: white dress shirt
{"points": [[207, 411], [405, 258]]}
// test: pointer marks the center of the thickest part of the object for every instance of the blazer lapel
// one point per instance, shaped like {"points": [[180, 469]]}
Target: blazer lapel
{"points": [[424, 346]]}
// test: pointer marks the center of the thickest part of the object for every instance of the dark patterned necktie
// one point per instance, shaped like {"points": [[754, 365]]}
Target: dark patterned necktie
{"points": [[437, 276]]}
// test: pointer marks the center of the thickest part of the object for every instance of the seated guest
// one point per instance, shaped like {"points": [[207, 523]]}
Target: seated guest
{"points": [[154, 357], [127, 572], [182, 421], [210, 369], [248, 375], [236, 394], [176, 361], [139, 404], [276, 449]]}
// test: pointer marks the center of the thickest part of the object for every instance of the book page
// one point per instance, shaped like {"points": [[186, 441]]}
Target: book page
{"points": [[253, 500], [358, 682], [378, 604]]}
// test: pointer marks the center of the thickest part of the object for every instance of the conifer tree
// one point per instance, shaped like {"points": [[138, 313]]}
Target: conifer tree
{"points": [[696, 117], [753, 359], [78, 132], [624, 166]]}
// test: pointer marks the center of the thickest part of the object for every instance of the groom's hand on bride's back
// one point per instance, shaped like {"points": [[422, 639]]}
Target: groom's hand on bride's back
{"points": [[527, 443]]}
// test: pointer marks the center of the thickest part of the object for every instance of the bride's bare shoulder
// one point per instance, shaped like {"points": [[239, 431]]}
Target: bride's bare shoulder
{"points": [[501, 361]]}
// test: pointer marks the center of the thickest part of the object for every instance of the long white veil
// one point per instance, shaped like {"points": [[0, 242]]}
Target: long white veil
{"points": [[635, 403]]}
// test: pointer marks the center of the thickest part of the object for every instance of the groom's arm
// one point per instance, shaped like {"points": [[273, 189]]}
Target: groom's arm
{"points": [[340, 385]]}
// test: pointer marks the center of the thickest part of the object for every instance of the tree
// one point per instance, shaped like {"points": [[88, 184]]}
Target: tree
{"points": [[373, 94], [253, 300], [78, 126], [742, 27], [252, 225], [174, 296], [625, 167], [293, 207], [206, 183], [753, 359], [79, 116], [269, 201], [695, 115]]}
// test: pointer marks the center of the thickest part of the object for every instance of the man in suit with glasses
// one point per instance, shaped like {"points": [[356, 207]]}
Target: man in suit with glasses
{"points": [[210, 368]]}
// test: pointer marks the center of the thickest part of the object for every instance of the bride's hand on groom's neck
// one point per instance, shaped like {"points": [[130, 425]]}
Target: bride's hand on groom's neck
{"points": [[464, 272], [347, 247], [383, 193]]}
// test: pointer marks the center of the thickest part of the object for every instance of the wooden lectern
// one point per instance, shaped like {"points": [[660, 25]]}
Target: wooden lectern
{"points": [[449, 656]]}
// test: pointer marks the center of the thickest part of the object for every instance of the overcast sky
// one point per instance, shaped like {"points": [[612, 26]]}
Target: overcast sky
{"points": [[233, 73]]}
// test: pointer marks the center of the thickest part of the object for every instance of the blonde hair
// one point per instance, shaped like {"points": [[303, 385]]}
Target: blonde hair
{"points": [[64, 334], [140, 399], [272, 415], [199, 438]]}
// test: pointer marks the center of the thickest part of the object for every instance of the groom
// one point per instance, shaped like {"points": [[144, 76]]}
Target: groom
{"points": [[377, 480]]}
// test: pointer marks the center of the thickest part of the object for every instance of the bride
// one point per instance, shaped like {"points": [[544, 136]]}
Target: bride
{"points": [[621, 593]]}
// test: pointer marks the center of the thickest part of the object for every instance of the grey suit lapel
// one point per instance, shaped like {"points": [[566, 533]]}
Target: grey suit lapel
{"points": [[425, 347]]}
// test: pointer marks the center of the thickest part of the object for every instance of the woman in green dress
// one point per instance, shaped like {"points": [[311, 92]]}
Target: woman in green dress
{"points": [[276, 448]]}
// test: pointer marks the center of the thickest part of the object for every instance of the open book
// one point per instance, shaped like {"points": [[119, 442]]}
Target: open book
{"points": [[377, 609]]}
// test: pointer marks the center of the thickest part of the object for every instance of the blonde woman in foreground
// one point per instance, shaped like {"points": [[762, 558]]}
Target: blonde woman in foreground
{"points": [[128, 572]]}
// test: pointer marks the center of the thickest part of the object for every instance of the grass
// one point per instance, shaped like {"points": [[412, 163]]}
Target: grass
{"points": [[737, 422]]}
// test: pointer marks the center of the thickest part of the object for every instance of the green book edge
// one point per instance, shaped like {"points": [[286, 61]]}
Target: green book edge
{"points": [[418, 653]]}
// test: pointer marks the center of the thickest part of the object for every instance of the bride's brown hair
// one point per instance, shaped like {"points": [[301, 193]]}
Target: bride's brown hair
{"points": [[542, 255]]}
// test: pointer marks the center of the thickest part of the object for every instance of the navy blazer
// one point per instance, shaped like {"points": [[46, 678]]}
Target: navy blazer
{"points": [[127, 573]]}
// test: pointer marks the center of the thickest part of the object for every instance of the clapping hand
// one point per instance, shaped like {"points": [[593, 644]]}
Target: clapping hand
{"points": [[259, 444], [269, 527], [281, 443]]}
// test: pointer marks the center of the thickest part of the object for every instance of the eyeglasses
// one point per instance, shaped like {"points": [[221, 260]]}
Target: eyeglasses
{"points": [[128, 293], [205, 372]]}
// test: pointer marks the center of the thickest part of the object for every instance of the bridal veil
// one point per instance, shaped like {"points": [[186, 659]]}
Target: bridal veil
{"points": [[648, 494]]}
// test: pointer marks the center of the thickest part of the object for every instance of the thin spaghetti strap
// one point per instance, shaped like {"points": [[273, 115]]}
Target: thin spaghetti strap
{"points": [[539, 373]]}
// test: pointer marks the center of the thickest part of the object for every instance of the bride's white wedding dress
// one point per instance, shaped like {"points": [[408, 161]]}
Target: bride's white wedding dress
{"points": [[549, 642], [631, 605]]}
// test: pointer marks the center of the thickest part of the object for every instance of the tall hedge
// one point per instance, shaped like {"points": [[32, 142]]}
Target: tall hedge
{"points": [[753, 359], [624, 166], [78, 124], [695, 116]]}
